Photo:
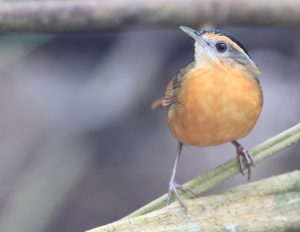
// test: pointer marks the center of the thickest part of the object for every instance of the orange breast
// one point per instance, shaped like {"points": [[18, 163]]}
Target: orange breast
{"points": [[215, 106]]}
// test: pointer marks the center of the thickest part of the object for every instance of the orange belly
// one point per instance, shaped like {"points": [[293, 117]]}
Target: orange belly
{"points": [[215, 106]]}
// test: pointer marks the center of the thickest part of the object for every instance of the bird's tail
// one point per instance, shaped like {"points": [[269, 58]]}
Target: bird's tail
{"points": [[157, 104]]}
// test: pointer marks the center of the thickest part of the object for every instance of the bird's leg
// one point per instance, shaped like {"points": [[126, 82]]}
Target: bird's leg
{"points": [[244, 157], [172, 183], [173, 186]]}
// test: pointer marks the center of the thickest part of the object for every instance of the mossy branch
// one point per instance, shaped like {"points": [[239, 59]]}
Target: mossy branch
{"points": [[272, 204], [225, 171]]}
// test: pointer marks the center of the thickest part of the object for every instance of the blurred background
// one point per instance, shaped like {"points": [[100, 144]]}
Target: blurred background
{"points": [[79, 144]]}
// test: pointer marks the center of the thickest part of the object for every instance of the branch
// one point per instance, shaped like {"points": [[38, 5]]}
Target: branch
{"points": [[272, 204], [227, 170], [262, 202], [81, 15]]}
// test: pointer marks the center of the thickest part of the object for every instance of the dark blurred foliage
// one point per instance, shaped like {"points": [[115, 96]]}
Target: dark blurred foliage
{"points": [[80, 146]]}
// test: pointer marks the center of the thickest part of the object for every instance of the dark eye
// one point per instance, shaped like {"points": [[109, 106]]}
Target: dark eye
{"points": [[221, 47]]}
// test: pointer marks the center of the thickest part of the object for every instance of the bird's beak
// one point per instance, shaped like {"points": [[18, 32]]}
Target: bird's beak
{"points": [[196, 35]]}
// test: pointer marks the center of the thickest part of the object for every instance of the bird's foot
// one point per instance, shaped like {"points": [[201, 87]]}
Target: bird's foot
{"points": [[246, 160], [173, 188]]}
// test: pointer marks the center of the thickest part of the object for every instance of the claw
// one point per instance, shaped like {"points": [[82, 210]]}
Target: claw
{"points": [[187, 189], [241, 164], [173, 189], [246, 160]]}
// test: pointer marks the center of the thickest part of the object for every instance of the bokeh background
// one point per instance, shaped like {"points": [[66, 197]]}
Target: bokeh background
{"points": [[79, 144]]}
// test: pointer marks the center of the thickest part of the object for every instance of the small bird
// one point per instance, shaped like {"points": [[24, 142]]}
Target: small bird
{"points": [[214, 100]]}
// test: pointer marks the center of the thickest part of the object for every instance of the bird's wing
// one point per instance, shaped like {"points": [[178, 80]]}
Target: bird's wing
{"points": [[172, 89]]}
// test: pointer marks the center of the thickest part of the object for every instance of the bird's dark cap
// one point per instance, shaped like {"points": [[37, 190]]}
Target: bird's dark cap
{"points": [[230, 36]]}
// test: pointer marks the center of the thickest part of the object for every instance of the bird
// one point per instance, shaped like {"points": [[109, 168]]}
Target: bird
{"points": [[216, 99]]}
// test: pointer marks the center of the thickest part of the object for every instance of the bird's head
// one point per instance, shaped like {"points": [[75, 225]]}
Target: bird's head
{"points": [[217, 47]]}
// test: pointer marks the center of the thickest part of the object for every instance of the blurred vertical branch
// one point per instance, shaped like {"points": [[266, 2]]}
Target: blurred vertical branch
{"points": [[93, 14]]}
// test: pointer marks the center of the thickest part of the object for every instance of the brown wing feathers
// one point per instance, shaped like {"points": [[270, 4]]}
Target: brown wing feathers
{"points": [[170, 94], [172, 89]]}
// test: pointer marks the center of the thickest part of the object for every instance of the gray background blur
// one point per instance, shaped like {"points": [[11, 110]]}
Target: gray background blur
{"points": [[79, 145]]}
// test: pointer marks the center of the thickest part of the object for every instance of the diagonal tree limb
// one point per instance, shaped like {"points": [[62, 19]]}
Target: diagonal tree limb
{"points": [[227, 170], [271, 204]]}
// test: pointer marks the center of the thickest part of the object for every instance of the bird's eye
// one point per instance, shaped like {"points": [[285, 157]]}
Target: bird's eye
{"points": [[221, 47]]}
